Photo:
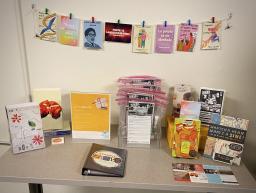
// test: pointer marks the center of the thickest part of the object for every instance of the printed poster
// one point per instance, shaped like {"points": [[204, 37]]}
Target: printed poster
{"points": [[68, 31], [142, 39], [90, 115], [200, 173], [46, 26], [116, 32], [211, 36], [93, 35], [187, 37], [164, 38]]}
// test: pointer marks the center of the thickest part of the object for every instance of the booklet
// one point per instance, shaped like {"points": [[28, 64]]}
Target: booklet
{"points": [[105, 161], [199, 173], [90, 115]]}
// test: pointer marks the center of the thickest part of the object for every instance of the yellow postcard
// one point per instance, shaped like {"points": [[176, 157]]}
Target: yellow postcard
{"points": [[90, 115]]}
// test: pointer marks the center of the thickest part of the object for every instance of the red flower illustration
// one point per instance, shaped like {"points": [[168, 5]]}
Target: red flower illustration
{"points": [[16, 118], [37, 139]]}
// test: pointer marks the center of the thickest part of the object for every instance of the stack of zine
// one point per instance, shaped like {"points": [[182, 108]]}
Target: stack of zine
{"points": [[142, 105]]}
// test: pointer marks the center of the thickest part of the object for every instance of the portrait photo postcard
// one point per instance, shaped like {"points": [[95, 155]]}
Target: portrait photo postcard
{"points": [[93, 35]]}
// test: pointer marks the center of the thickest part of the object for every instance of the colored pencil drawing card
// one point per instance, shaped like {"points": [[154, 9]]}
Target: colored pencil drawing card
{"points": [[93, 35], [90, 115], [116, 32], [142, 39], [211, 36], [46, 26], [68, 31], [187, 37], [164, 38]]}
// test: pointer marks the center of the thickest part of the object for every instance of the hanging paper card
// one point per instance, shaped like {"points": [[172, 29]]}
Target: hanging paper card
{"points": [[211, 36], [164, 38], [116, 32], [46, 26], [93, 35], [142, 39], [187, 37], [90, 114], [68, 31]]}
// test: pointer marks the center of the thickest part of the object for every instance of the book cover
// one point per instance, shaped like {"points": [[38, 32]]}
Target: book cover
{"points": [[187, 37], [142, 39], [46, 26], [90, 115], [186, 138], [68, 31], [117, 32], [225, 144], [49, 101], [105, 161], [93, 35], [212, 103], [211, 36], [25, 126], [190, 109], [164, 38]]}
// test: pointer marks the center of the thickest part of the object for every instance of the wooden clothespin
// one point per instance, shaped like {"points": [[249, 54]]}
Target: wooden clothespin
{"points": [[93, 20], [189, 22], [118, 21], [143, 23], [213, 19], [165, 23], [46, 11], [70, 16]]}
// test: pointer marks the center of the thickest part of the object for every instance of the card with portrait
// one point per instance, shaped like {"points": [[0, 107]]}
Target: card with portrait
{"points": [[93, 38]]}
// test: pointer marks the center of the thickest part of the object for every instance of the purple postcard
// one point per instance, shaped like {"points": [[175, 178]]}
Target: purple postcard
{"points": [[164, 38]]}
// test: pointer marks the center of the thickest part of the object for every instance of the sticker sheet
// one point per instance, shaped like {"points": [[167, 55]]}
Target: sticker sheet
{"points": [[46, 26], [142, 39], [93, 35], [68, 31], [187, 37]]}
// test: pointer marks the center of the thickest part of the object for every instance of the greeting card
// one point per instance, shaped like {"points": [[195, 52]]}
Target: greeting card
{"points": [[164, 38]]}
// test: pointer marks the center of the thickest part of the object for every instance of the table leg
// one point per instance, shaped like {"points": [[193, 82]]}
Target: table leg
{"points": [[35, 188]]}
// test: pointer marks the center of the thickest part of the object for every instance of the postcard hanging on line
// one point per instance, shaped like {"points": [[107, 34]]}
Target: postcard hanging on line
{"points": [[49, 101], [93, 35], [90, 114], [117, 32], [164, 38], [25, 126], [46, 26], [211, 36], [187, 37], [68, 31], [142, 39]]}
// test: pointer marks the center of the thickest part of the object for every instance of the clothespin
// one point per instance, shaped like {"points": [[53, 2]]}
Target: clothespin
{"points": [[93, 20], [165, 23], [70, 16], [46, 11], [143, 23], [118, 21], [189, 22], [213, 19]]}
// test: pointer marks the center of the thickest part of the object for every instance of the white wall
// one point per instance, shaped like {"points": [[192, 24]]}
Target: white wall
{"points": [[73, 68]]}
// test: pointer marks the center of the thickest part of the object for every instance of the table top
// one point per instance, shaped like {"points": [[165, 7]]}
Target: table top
{"points": [[146, 168]]}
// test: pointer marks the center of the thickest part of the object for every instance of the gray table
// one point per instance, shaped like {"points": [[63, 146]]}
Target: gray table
{"points": [[145, 169]]}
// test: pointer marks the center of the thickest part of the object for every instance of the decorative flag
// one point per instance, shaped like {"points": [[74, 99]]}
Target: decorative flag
{"points": [[164, 38], [46, 26], [93, 35], [211, 36], [116, 32], [68, 31], [187, 37], [142, 39]]}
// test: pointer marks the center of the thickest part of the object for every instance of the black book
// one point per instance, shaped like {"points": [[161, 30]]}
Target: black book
{"points": [[105, 161]]}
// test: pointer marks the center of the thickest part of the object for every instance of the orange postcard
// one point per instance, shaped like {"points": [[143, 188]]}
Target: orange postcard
{"points": [[90, 115]]}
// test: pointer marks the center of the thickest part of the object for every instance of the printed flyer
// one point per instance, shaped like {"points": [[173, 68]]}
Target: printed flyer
{"points": [[93, 35], [90, 115], [211, 36], [164, 38], [187, 37], [142, 39], [116, 32], [68, 31], [46, 26]]}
